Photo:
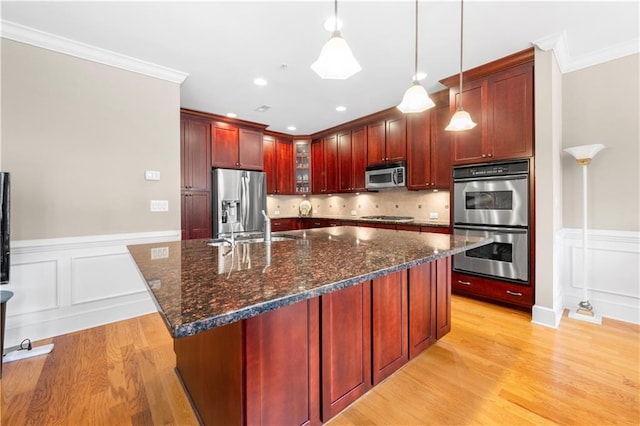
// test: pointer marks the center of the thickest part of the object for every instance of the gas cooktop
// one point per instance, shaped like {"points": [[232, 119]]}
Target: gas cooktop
{"points": [[389, 218]]}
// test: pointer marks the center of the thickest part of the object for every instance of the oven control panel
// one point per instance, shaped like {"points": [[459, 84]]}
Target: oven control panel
{"points": [[498, 169]]}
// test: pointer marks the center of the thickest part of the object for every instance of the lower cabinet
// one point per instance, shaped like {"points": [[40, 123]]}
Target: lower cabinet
{"points": [[515, 295], [443, 296], [422, 307], [285, 224], [196, 214], [346, 347]]}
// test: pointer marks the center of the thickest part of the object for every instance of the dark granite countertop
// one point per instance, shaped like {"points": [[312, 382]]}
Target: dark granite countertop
{"points": [[196, 287]]}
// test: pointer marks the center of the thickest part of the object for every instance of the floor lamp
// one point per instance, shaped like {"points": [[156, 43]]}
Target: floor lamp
{"points": [[583, 155]]}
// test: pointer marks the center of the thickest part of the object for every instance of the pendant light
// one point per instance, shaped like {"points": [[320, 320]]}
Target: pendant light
{"points": [[461, 120], [416, 98], [336, 60]]}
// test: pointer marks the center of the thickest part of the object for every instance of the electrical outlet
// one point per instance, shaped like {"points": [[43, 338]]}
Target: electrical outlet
{"points": [[159, 205], [433, 215], [353, 213], [159, 253]]}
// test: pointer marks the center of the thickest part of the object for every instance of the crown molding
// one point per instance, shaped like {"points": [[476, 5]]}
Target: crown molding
{"points": [[558, 43], [20, 33]]}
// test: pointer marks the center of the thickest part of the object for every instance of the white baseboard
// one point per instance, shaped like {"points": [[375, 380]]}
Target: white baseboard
{"points": [[613, 272], [64, 285], [546, 316]]}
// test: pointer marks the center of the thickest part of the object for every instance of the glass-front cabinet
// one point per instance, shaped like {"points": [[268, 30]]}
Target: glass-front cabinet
{"points": [[303, 167]]}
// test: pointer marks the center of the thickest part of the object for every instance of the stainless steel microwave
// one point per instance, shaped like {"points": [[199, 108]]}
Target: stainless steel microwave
{"points": [[390, 175]]}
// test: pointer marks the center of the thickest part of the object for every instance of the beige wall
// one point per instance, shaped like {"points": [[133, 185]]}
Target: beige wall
{"points": [[601, 104], [77, 137]]}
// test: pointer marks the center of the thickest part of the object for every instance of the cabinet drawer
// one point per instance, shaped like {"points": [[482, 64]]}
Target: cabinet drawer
{"points": [[486, 288]]}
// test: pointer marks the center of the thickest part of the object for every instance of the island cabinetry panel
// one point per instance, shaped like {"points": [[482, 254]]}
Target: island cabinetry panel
{"points": [[443, 296], [428, 152], [499, 97], [422, 307], [346, 347], [235, 148], [278, 165], [387, 140], [195, 168], [389, 324], [263, 370], [324, 162]]}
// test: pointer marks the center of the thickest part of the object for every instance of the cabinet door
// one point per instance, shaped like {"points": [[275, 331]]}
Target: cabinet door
{"points": [[376, 143], [346, 347], [318, 173], [196, 215], [344, 162], [468, 146], [422, 307], [418, 150], [396, 139], [282, 368], [284, 166], [440, 149], [195, 154], [224, 145], [358, 159], [331, 163], [249, 150], [443, 296], [511, 115], [269, 162], [389, 324]]}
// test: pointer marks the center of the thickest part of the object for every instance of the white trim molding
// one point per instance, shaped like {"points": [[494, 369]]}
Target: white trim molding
{"points": [[23, 34], [558, 43], [613, 272], [62, 285]]}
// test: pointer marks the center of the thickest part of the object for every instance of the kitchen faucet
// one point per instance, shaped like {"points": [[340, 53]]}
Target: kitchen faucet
{"points": [[267, 228]]}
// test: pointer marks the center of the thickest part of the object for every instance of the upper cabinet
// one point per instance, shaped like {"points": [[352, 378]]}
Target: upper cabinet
{"points": [[428, 151], [302, 149], [278, 164], [387, 140], [499, 97], [235, 148], [352, 160], [324, 162]]}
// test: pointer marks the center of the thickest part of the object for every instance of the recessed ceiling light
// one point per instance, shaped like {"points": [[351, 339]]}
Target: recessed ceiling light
{"points": [[263, 108], [232, 115], [291, 128], [330, 24], [259, 81], [341, 108]]}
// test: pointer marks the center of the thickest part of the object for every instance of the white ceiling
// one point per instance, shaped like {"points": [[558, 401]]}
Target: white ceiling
{"points": [[223, 46]]}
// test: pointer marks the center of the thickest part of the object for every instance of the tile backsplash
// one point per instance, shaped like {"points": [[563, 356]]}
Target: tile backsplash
{"points": [[422, 205]]}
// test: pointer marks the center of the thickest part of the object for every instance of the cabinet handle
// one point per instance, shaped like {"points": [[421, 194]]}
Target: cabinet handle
{"points": [[514, 293], [433, 184], [464, 282], [489, 155], [484, 155]]}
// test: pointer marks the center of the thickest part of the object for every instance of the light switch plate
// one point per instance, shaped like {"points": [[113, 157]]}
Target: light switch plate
{"points": [[159, 205], [159, 253], [433, 215], [152, 175]]}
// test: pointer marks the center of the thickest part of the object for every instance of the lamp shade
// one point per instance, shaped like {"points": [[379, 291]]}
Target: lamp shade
{"points": [[336, 60], [584, 153], [461, 120], [415, 99]]}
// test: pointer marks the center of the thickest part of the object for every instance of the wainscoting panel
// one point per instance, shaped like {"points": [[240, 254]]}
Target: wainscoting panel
{"points": [[613, 271], [69, 284]]}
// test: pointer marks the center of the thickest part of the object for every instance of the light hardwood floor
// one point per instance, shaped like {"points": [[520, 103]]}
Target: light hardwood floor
{"points": [[495, 367]]}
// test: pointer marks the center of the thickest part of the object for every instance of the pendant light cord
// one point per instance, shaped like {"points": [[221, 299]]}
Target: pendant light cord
{"points": [[415, 71], [461, 43], [335, 15]]}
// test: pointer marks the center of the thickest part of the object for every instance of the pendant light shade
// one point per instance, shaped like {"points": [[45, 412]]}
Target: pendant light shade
{"points": [[416, 98], [336, 60], [461, 120]]}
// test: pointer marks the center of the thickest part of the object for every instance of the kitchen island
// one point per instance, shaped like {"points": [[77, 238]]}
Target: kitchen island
{"points": [[293, 331]]}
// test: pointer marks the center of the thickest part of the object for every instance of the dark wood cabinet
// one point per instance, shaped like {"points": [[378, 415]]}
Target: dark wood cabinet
{"points": [[389, 325], [346, 347], [499, 97], [285, 224], [387, 140], [428, 152], [352, 160], [235, 148], [422, 307], [324, 163], [302, 166], [278, 165], [443, 296], [516, 295], [345, 169], [195, 172]]}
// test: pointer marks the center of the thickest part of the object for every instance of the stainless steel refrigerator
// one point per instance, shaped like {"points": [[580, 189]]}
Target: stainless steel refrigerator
{"points": [[239, 196]]}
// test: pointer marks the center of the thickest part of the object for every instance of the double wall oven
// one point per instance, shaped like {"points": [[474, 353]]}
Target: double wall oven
{"points": [[492, 200]]}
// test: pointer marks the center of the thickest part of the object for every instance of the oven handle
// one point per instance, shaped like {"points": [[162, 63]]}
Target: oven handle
{"points": [[492, 228], [486, 178]]}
